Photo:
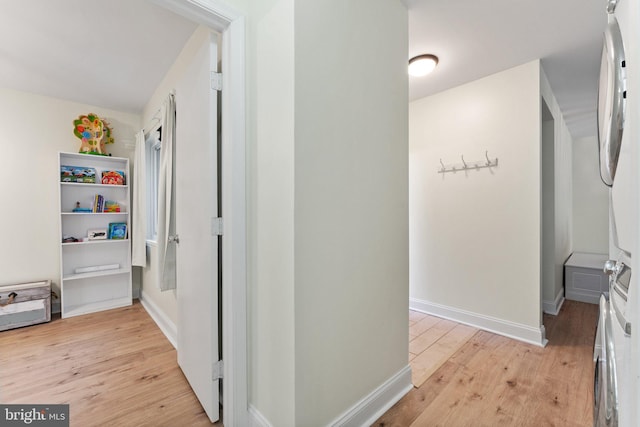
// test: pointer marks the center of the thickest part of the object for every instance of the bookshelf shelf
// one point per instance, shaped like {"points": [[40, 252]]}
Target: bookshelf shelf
{"points": [[95, 213], [96, 185], [97, 290]]}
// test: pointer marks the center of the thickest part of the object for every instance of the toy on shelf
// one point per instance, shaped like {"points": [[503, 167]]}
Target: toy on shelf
{"points": [[99, 234], [69, 239], [117, 230], [79, 209], [111, 207], [77, 174], [113, 177], [94, 134]]}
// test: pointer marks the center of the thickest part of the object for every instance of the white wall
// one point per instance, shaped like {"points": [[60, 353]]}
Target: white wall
{"points": [[34, 129], [306, 344], [351, 202], [590, 199], [270, 212], [553, 290], [165, 302], [475, 235]]}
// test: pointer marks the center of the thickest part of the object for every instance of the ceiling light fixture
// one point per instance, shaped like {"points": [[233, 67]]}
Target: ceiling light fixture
{"points": [[422, 65]]}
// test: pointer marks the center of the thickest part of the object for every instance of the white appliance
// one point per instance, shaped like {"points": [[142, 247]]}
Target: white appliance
{"points": [[612, 349], [605, 388], [612, 388], [611, 100]]}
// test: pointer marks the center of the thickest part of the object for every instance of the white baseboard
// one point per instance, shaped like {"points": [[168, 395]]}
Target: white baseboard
{"points": [[366, 411], [256, 419], [379, 401], [165, 324], [506, 328], [553, 307]]}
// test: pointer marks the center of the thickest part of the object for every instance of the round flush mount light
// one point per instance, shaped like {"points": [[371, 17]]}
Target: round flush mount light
{"points": [[422, 65]]}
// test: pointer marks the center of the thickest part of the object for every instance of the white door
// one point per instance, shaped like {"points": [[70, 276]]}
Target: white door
{"points": [[196, 206]]}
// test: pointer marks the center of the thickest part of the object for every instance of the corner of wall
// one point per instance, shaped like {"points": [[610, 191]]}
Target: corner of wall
{"points": [[553, 307], [376, 403], [256, 419], [520, 332], [166, 325]]}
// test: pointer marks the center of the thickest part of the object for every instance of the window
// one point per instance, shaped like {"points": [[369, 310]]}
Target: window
{"points": [[153, 142]]}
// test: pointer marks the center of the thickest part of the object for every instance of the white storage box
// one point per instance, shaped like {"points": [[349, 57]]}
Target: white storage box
{"points": [[25, 304], [584, 278]]}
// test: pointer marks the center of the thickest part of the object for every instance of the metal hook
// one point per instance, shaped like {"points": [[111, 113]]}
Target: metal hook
{"points": [[463, 162], [443, 167], [486, 154]]}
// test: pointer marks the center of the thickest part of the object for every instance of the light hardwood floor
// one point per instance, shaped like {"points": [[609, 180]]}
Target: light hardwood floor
{"points": [[432, 341], [114, 368], [490, 380]]}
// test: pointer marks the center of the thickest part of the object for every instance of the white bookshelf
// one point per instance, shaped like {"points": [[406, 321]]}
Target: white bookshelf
{"points": [[92, 291]]}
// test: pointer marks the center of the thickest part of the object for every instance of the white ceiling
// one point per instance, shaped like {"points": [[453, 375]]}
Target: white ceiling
{"points": [[476, 38], [111, 54], [114, 53]]}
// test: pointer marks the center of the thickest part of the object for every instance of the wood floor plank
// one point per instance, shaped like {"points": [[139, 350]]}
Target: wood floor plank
{"points": [[411, 406], [468, 391], [496, 381], [113, 368], [415, 316], [458, 335], [430, 336], [423, 324], [425, 364], [445, 346]]}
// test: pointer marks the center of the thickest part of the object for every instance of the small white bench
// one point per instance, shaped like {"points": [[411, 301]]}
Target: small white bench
{"points": [[584, 278]]}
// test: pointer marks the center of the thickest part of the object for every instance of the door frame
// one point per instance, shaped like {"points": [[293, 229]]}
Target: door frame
{"points": [[231, 25]]}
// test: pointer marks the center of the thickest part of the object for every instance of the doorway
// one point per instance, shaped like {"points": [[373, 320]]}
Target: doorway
{"points": [[220, 18], [550, 284]]}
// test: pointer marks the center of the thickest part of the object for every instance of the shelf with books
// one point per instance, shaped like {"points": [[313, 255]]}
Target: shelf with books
{"points": [[92, 185], [87, 209], [95, 213]]}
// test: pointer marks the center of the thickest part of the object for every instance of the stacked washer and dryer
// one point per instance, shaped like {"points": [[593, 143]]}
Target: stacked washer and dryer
{"points": [[613, 381]]}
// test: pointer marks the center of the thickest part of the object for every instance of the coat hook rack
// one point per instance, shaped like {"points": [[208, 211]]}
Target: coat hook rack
{"points": [[488, 163]]}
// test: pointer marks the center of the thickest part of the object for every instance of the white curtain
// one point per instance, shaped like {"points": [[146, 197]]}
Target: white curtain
{"points": [[166, 199], [139, 205]]}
